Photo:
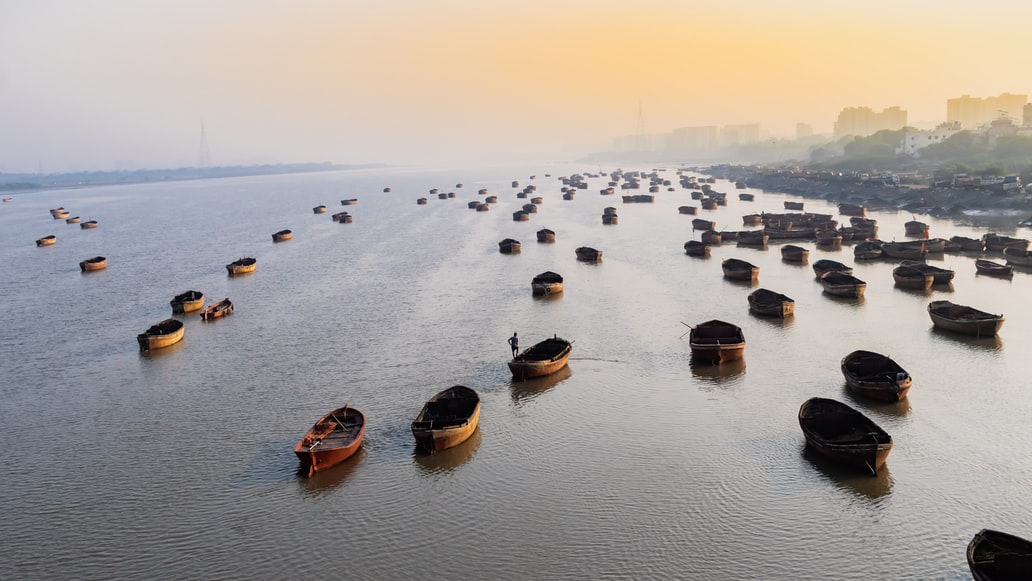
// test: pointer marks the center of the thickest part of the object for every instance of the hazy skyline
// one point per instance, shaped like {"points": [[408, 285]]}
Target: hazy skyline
{"points": [[112, 84]]}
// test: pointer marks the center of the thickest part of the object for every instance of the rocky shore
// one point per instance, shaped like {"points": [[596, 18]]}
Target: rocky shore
{"points": [[876, 195]]}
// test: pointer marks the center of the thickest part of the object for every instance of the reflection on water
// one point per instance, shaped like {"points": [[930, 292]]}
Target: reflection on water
{"points": [[529, 389], [164, 351], [745, 283], [783, 322], [326, 480], [724, 373], [918, 292], [994, 343], [894, 409], [848, 301], [548, 297], [855, 481], [450, 458]]}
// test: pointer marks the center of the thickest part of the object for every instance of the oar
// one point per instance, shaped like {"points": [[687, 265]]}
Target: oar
{"points": [[686, 332]]}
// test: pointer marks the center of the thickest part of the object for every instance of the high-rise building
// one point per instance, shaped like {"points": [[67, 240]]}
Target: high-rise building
{"points": [[863, 121], [689, 139], [803, 130], [974, 112]]}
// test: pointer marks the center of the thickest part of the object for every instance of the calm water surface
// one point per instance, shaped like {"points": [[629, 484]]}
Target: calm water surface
{"points": [[630, 463]]}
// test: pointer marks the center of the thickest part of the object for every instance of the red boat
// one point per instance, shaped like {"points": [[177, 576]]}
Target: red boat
{"points": [[332, 440]]}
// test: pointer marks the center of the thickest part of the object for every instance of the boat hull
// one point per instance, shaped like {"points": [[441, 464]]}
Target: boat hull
{"points": [[524, 367], [320, 453], [960, 319], [546, 288], [992, 556], [187, 302], [846, 441], [433, 435], [172, 334], [875, 376]]}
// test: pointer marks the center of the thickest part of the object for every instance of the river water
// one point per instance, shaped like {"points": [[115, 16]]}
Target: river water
{"points": [[630, 463]]}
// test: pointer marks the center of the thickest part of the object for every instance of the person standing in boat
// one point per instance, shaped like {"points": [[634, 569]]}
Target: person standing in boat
{"points": [[514, 342]]}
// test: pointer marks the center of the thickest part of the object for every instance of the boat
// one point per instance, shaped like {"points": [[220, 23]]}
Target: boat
{"points": [[421, 201], [218, 309], [610, 219], [746, 197], [319, 209], [770, 303], [964, 319], [716, 342], [349, 202], [841, 433], [988, 267], [737, 269], [88, 224], [939, 274], [191, 300], [1017, 256], [824, 266], [163, 334], [56, 211], [692, 210], [520, 216], [910, 277], [753, 238], [543, 358], [241, 266], [95, 263], [73, 220], [793, 253], [60, 214], [904, 250], [332, 440], [545, 235], [996, 556], [830, 239], [793, 205], [588, 254], [282, 235], [752, 220], [843, 284], [447, 419], [46, 240], [875, 376], [916, 228], [997, 242], [852, 210], [867, 250], [700, 224], [8, 199], [696, 248], [509, 246], [968, 244], [546, 283], [711, 237]]}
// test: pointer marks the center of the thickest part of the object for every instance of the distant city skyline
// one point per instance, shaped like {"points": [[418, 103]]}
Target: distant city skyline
{"points": [[118, 84]]}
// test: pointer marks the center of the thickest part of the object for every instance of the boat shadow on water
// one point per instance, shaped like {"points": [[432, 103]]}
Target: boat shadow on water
{"points": [[845, 301], [723, 373], [994, 343], [896, 409], [164, 351], [526, 390], [449, 459], [781, 322], [855, 481], [741, 283], [327, 480]]}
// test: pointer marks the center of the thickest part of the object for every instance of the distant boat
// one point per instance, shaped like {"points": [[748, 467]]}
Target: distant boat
{"points": [[282, 236], [545, 235], [964, 319], [793, 205], [700, 224], [421, 201], [163, 334], [842, 284], [544, 358], [715, 342], [746, 197], [73, 220], [904, 250], [95, 263], [996, 556], [191, 300], [588, 254], [824, 266], [996, 242], [448, 419], [46, 240], [991, 268], [332, 440], [867, 250], [916, 228], [349, 202], [520, 216], [793, 253], [1017, 256], [852, 210], [769, 303], [696, 248], [217, 309], [843, 434], [940, 275], [319, 209], [968, 244], [241, 266], [875, 375], [737, 269], [509, 246], [691, 210], [88, 224], [546, 283], [910, 277], [60, 214]]}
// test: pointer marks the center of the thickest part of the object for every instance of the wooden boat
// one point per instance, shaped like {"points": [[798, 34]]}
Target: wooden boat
{"points": [[711, 237], [332, 440], [968, 244], [867, 250], [700, 224], [88, 224], [95, 263], [991, 268], [793, 253], [241, 266], [708, 203], [770, 303], [830, 239], [282, 235], [996, 242], [842, 284], [73, 220], [546, 283], [349, 202], [530, 208], [746, 197], [716, 342], [218, 309], [543, 358], [46, 240], [696, 248], [753, 238], [904, 250], [447, 419], [996, 556], [509, 246], [520, 216], [421, 201], [610, 219], [875, 376], [841, 433], [491, 200], [793, 205], [60, 214], [191, 300], [687, 210], [545, 235], [588, 254], [163, 334], [964, 319], [939, 274], [319, 209], [569, 195], [1017, 256], [752, 220], [910, 277], [56, 211], [737, 269], [852, 210], [915, 228], [824, 266]]}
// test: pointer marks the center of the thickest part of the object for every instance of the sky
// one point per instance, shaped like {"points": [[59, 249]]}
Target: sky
{"points": [[129, 84]]}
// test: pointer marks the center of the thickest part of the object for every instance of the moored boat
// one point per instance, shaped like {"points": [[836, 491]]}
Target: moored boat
{"points": [[448, 419], [997, 242], [46, 240], [588, 254], [793, 253], [904, 250], [867, 250], [988, 267], [841, 433], [546, 283], [852, 210], [696, 248], [332, 440], [509, 246], [700, 224], [217, 309], [940, 275], [1017, 256], [349, 202], [793, 205], [711, 237], [767, 302], [910, 277], [543, 358], [319, 209], [842, 284], [964, 319], [88, 224], [545, 235], [916, 228], [715, 342], [824, 266], [73, 220], [692, 210], [875, 376], [241, 266], [996, 556], [282, 235], [968, 244], [163, 334], [190, 300], [738, 269], [60, 214], [95, 263], [753, 238]]}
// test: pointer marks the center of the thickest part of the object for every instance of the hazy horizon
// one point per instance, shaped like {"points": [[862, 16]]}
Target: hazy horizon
{"points": [[125, 85]]}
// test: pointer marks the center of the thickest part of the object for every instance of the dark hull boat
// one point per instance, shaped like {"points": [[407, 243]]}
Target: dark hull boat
{"points": [[186, 302], [696, 248], [843, 285], [841, 433], [963, 319], [769, 303], [990, 268], [824, 266], [543, 358], [939, 275], [509, 246], [736, 269], [716, 342], [910, 277], [793, 253], [996, 556], [447, 419], [546, 283], [875, 376], [588, 254]]}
